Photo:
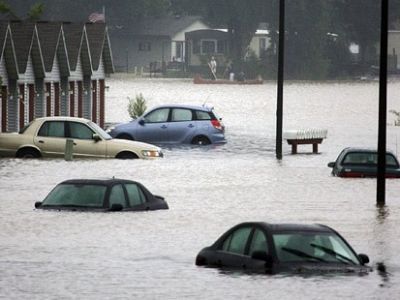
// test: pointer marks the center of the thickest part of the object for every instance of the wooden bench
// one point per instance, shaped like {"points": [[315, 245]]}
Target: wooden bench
{"points": [[305, 137]]}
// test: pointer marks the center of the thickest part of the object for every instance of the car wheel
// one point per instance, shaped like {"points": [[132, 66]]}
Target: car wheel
{"points": [[201, 140], [28, 153], [126, 155], [125, 136]]}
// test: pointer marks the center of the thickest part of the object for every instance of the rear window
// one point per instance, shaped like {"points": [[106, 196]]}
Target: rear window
{"points": [[85, 195], [202, 115], [368, 158]]}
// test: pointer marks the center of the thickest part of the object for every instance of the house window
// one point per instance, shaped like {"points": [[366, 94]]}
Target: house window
{"points": [[144, 46], [208, 46]]}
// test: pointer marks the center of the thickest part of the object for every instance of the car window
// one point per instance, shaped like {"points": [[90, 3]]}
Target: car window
{"points": [[157, 116], [80, 131], [135, 194], [181, 114], [117, 195], [258, 242], [314, 247], [367, 158], [86, 195], [52, 129], [202, 115], [236, 242]]}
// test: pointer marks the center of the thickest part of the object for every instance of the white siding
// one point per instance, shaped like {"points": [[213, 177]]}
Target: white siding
{"points": [[54, 75], [78, 73], [3, 72], [29, 75], [99, 73]]}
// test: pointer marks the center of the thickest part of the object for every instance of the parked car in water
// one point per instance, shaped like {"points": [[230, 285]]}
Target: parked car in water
{"points": [[187, 124], [358, 162], [274, 248], [46, 137], [102, 195]]}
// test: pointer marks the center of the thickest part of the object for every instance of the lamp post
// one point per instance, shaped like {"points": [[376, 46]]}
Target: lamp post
{"points": [[380, 190], [279, 102]]}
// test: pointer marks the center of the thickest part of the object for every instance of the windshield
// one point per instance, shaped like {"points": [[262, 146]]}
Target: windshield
{"points": [[85, 195], [23, 129], [100, 131], [313, 247]]}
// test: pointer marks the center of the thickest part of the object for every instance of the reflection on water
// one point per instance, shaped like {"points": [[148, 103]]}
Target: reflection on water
{"points": [[150, 255]]}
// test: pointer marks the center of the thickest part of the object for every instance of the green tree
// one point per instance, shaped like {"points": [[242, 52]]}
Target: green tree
{"points": [[36, 11]]}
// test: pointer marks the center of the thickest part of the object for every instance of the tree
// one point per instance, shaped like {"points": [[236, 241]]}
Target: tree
{"points": [[36, 11]]}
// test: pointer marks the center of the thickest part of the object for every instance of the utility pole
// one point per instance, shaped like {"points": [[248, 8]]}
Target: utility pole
{"points": [[279, 102], [380, 190]]}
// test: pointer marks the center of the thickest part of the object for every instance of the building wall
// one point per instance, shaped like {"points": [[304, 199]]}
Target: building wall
{"points": [[3, 71], [394, 45], [127, 55]]}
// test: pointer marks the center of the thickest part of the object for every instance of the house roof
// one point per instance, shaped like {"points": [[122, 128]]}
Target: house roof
{"points": [[163, 26], [73, 39], [22, 35], [49, 34], [96, 35], [3, 32]]}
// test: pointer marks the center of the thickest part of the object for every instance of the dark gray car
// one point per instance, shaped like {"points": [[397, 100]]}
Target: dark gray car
{"points": [[101, 195]]}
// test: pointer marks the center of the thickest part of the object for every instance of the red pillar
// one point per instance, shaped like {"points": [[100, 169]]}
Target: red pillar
{"points": [[72, 99], [56, 98], [21, 100], [80, 99], [94, 101], [48, 99], [31, 89]]}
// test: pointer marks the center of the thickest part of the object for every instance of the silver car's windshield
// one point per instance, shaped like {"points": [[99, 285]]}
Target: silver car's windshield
{"points": [[100, 131], [84, 195], [314, 247]]}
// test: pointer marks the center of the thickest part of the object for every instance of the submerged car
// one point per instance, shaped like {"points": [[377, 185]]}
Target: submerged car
{"points": [[101, 195], [186, 124], [46, 137], [358, 162], [273, 248]]}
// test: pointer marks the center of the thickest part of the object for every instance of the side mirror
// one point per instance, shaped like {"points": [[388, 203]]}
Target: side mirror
{"points": [[96, 137], [363, 258], [331, 164], [141, 122], [38, 204], [116, 207]]}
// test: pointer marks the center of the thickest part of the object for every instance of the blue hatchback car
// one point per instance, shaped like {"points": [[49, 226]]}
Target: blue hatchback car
{"points": [[187, 124]]}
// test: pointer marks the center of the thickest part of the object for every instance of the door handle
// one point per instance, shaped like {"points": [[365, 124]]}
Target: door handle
{"points": [[74, 144], [40, 141], [164, 127]]}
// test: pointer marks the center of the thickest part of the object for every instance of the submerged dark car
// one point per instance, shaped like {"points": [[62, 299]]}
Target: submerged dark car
{"points": [[274, 248], [357, 162], [101, 195]]}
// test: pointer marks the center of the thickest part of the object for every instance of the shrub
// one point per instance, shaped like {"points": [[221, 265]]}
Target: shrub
{"points": [[137, 106]]}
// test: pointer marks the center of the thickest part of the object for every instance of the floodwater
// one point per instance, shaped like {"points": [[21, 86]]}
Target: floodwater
{"points": [[150, 255]]}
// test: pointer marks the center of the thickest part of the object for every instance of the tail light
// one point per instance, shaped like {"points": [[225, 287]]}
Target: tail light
{"points": [[217, 124]]}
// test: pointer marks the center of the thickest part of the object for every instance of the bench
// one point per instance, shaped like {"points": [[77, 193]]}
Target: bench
{"points": [[302, 137]]}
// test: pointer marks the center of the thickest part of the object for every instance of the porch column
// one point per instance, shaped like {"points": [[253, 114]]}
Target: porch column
{"points": [[102, 102], [31, 102], [80, 99], [48, 99], [21, 105], [56, 98], [3, 109], [94, 101]]}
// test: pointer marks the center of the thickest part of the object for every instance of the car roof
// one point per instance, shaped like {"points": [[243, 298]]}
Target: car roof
{"points": [[366, 150], [63, 118], [98, 181], [279, 227], [189, 106]]}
